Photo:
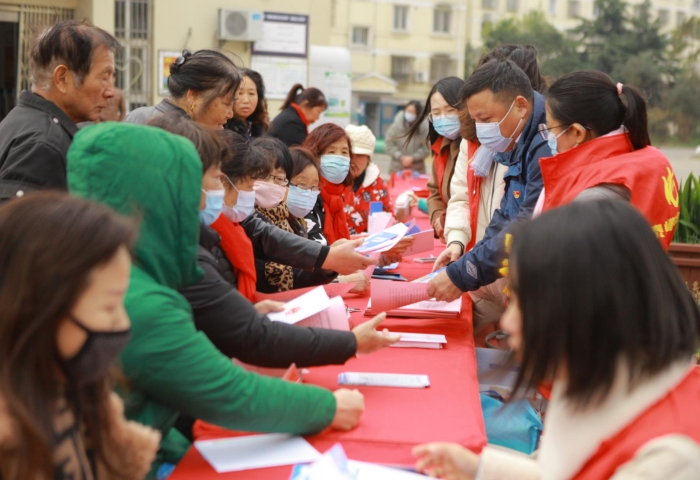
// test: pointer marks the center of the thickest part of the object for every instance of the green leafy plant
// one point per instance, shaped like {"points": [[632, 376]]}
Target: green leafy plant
{"points": [[688, 230]]}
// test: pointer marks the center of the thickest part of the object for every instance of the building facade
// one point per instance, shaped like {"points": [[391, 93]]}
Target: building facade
{"points": [[397, 49]]}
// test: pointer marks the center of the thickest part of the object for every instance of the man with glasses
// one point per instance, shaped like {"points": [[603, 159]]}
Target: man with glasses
{"points": [[507, 113]]}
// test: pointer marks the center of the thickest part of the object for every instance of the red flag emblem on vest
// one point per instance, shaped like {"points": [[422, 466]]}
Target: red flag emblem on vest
{"points": [[516, 194]]}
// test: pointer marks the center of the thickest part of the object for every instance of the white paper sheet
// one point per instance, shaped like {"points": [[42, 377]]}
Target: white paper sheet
{"points": [[302, 307], [332, 289], [423, 242], [384, 240], [256, 451], [379, 221], [389, 295], [335, 317]]}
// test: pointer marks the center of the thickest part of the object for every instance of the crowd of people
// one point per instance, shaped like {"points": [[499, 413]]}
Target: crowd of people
{"points": [[131, 254]]}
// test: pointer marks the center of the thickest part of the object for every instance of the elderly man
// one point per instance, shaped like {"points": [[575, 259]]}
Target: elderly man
{"points": [[72, 68]]}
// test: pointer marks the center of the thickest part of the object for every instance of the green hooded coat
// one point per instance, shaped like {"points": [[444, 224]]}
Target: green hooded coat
{"points": [[172, 368]]}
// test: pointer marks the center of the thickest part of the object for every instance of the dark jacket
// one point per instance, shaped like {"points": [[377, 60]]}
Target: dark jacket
{"points": [[301, 278], [143, 114], [314, 222], [289, 127], [523, 180], [34, 141], [237, 330], [247, 130]]}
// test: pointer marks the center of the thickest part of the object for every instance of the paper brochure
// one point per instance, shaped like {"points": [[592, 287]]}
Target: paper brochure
{"points": [[256, 451], [332, 289], [384, 240], [424, 309], [302, 307], [335, 317], [419, 340], [423, 242], [388, 295]]}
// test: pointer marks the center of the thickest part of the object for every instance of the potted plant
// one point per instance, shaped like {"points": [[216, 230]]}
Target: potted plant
{"points": [[685, 248]]}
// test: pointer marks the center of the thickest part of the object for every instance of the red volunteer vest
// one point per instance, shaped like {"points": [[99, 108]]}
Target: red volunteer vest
{"points": [[474, 192], [676, 413], [646, 173], [440, 161]]}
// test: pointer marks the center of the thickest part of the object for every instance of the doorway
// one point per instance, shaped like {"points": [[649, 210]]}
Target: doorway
{"points": [[9, 48]]}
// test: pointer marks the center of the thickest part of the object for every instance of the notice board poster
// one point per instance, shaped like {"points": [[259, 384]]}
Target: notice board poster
{"points": [[284, 34], [280, 73]]}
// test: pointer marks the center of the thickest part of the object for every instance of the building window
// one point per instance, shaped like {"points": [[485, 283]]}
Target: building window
{"points": [[680, 19], [441, 66], [487, 20], [552, 7], [512, 5], [696, 5], [663, 17], [401, 69], [401, 18], [637, 11], [360, 36], [442, 20], [574, 8], [488, 4], [132, 27]]}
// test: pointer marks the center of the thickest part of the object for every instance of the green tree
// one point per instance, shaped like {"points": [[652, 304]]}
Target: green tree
{"points": [[557, 54]]}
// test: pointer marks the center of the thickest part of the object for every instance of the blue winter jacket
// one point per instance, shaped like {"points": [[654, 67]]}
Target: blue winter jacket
{"points": [[480, 265]]}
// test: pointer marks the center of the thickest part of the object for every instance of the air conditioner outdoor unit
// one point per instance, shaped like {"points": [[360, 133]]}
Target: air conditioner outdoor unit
{"points": [[421, 77], [240, 25]]}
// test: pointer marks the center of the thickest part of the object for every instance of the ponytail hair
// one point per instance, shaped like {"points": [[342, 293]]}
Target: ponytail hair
{"points": [[312, 96], [591, 99]]}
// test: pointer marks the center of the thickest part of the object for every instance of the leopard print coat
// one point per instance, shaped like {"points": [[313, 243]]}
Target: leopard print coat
{"points": [[277, 275]]}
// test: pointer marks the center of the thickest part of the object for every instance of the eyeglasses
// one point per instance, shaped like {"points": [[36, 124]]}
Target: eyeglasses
{"points": [[543, 129], [304, 186], [282, 181]]}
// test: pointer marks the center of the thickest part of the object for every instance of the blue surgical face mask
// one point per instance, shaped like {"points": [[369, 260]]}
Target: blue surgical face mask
{"points": [[212, 208], [300, 202], [490, 136], [552, 140], [244, 207], [447, 125], [335, 168]]}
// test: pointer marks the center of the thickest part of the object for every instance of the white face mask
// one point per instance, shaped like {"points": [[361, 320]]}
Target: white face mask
{"points": [[490, 136], [410, 117], [244, 207]]}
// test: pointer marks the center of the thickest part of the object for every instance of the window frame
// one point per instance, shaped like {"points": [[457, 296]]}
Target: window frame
{"points": [[402, 77], [444, 10], [407, 18], [352, 36]]}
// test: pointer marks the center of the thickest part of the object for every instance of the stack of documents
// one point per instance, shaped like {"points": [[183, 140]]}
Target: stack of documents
{"points": [[408, 300], [256, 451], [334, 465], [425, 309], [419, 340]]}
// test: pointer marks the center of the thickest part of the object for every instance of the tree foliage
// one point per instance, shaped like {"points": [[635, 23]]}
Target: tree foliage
{"points": [[627, 44]]}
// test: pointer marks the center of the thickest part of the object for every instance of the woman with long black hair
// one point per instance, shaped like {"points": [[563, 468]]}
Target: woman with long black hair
{"points": [[598, 308], [442, 111]]}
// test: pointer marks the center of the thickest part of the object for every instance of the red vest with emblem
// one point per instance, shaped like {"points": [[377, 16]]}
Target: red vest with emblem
{"points": [[676, 413], [474, 192], [646, 173], [440, 161]]}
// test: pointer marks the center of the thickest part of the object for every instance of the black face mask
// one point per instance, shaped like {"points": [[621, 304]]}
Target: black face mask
{"points": [[97, 353]]}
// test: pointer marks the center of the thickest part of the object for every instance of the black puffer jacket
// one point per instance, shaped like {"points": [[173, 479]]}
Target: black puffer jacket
{"points": [[237, 330], [34, 140]]}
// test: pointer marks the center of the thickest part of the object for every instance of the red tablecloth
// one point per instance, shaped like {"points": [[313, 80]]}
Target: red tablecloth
{"points": [[395, 420]]}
